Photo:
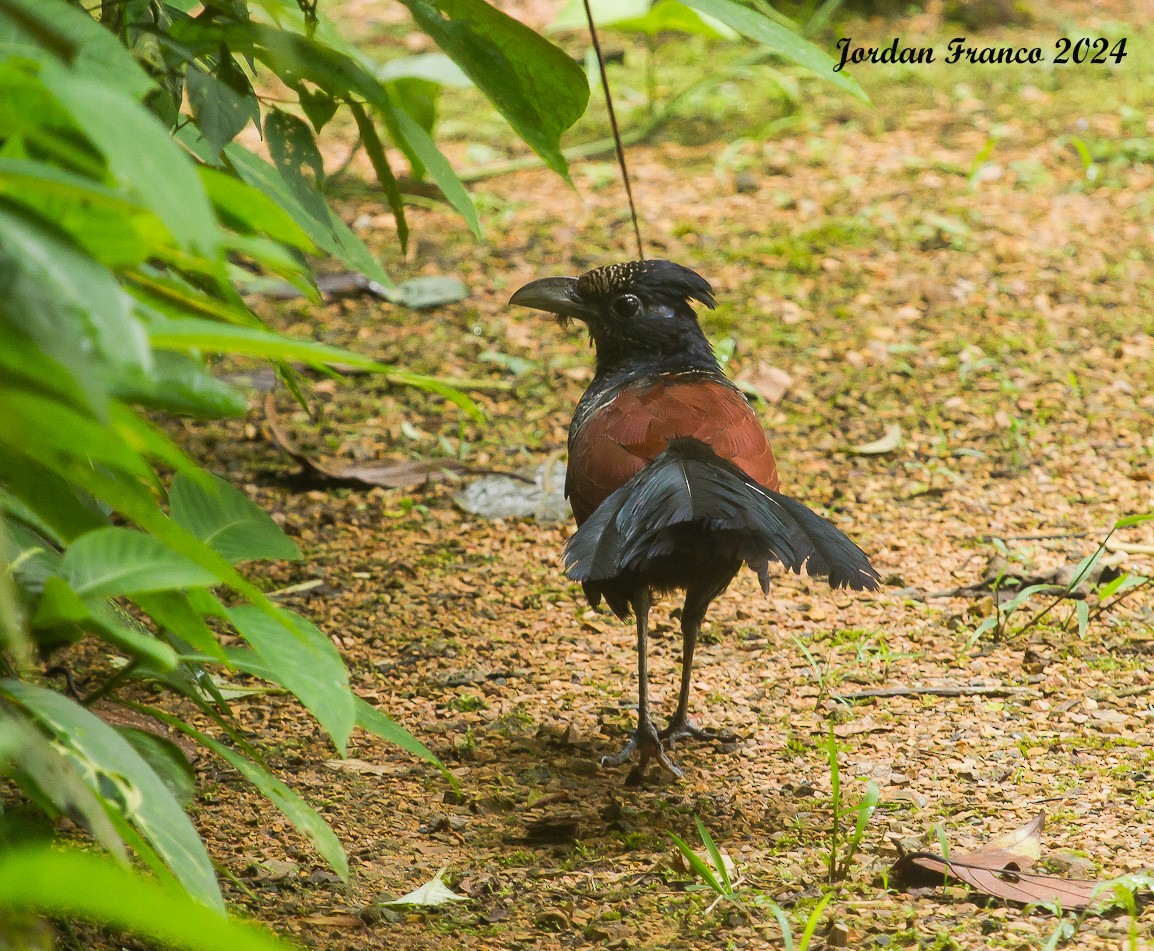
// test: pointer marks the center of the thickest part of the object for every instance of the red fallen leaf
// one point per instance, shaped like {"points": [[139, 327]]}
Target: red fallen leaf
{"points": [[999, 870]]}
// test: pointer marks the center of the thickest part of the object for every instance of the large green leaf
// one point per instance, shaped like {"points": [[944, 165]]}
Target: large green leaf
{"points": [[46, 772], [303, 816], [174, 612], [249, 210], [116, 230], [195, 334], [327, 231], [228, 521], [374, 721], [71, 306], [181, 384], [431, 67], [537, 87], [48, 431], [757, 26], [116, 560], [410, 134], [142, 156], [297, 58], [124, 780], [24, 360], [68, 884], [60, 606], [304, 661], [92, 50]]}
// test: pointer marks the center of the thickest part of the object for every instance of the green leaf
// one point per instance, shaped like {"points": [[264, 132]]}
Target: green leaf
{"points": [[68, 304], [25, 362], [273, 258], [56, 781], [69, 884], [432, 67], [142, 156], [60, 606], [374, 721], [174, 296], [47, 432], [58, 509], [221, 109], [228, 521], [1131, 520], [697, 864], [539, 89], [116, 230], [757, 26], [75, 37], [605, 13], [173, 611], [248, 210], [409, 133], [1082, 612], [181, 384], [304, 661], [116, 560], [318, 106], [305, 818], [715, 856], [292, 147], [195, 334], [385, 176], [126, 782], [167, 761], [671, 16], [326, 230]]}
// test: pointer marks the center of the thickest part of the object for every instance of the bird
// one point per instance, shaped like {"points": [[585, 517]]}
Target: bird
{"points": [[671, 478]]}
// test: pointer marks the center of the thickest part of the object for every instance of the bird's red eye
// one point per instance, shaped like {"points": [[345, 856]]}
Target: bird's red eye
{"points": [[626, 305]]}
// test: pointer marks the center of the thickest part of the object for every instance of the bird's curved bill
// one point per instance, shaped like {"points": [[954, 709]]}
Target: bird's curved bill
{"points": [[557, 295]]}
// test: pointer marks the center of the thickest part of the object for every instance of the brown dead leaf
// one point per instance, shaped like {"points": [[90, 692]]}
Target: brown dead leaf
{"points": [[386, 473], [891, 440], [999, 870]]}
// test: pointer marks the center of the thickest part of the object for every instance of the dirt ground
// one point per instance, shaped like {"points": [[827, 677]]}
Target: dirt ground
{"points": [[946, 262]]}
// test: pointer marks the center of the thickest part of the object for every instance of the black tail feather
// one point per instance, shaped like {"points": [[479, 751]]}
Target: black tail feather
{"points": [[688, 508]]}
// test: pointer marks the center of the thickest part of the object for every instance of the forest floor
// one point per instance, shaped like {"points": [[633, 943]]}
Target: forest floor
{"points": [[969, 261]]}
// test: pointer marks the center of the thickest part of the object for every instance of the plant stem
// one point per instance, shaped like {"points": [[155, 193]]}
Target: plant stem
{"points": [[1074, 582]]}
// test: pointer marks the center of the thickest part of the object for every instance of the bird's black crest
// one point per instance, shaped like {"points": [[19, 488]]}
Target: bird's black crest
{"points": [[655, 278]]}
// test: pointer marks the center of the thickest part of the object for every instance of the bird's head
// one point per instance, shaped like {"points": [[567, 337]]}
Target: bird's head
{"points": [[636, 309]]}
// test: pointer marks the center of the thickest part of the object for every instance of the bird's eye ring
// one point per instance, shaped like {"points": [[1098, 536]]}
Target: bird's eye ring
{"points": [[627, 305]]}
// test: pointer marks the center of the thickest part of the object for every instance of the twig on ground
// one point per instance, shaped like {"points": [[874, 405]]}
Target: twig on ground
{"points": [[1135, 691], [993, 690]]}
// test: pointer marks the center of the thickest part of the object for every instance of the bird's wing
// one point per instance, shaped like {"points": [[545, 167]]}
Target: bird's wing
{"points": [[634, 428]]}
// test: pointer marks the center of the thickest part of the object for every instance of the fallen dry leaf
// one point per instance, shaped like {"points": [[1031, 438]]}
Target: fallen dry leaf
{"points": [[386, 473], [999, 870], [768, 382], [433, 892], [891, 440]]}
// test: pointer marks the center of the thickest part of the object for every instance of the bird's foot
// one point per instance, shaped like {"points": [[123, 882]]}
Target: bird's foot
{"points": [[683, 728], [647, 743]]}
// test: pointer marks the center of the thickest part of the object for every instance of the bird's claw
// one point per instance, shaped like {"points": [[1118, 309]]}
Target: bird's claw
{"points": [[686, 729], [648, 743]]}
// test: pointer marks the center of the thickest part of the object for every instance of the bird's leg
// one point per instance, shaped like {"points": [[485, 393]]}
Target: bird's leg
{"points": [[645, 739], [680, 727]]}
